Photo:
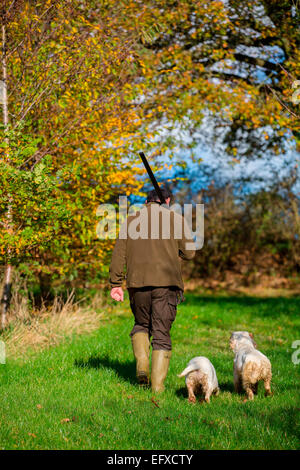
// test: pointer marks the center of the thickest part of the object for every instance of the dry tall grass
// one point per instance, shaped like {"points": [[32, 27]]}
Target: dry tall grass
{"points": [[31, 328]]}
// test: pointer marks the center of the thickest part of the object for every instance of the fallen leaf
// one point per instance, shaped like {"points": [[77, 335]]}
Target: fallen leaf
{"points": [[31, 434], [65, 420], [154, 402], [39, 407]]}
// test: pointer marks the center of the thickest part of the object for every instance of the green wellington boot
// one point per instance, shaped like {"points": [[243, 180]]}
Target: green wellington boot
{"points": [[159, 369], [140, 345]]}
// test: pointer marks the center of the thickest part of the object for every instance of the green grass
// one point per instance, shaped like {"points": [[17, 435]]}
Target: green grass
{"points": [[82, 394]]}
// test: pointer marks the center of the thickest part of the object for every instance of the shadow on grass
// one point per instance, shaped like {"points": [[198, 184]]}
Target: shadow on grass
{"points": [[182, 392], [224, 387], [285, 419], [126, 370]]}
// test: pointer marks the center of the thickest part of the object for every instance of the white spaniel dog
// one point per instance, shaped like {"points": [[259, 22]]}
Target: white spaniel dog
{"points": [[200, 378]]}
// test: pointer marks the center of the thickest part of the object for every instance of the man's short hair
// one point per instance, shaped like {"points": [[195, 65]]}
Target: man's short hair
{"points": [[152, 196]]}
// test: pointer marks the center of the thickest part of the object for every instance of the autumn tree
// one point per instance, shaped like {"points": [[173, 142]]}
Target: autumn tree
{"points": [[68, 86], [86, 84], [231, 65]]}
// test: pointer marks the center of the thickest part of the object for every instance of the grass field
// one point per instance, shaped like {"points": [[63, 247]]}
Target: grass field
{"points": [[82, 394]]}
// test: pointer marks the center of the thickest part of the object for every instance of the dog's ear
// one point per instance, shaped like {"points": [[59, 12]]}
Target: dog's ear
{"points": [[252, 338]]}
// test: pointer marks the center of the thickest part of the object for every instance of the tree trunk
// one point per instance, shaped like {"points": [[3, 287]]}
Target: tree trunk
{"points": [[6, 295]]}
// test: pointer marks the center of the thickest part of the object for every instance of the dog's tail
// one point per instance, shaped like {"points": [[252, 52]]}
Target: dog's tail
{"points": [[187, 370]]}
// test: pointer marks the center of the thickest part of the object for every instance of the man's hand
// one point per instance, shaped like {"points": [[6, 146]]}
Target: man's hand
{"points": [[117, 294]]}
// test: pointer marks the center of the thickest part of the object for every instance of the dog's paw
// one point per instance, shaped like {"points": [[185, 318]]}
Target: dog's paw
{"points": [[192, 400]]}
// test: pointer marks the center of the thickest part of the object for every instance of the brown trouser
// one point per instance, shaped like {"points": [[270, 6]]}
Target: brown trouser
{"points": [[154, 310]]}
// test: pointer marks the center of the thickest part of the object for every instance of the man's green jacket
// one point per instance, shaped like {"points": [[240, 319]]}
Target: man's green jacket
{"points": [[153, 259]]}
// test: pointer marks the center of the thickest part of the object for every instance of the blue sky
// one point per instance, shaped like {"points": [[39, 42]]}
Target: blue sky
{"points": [[248, 176]]}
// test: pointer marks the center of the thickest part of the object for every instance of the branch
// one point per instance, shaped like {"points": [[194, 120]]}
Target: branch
{"points": [[32, 104], [38, 156], [10, 6], [290, 76], [282, 103], [256, 61]]}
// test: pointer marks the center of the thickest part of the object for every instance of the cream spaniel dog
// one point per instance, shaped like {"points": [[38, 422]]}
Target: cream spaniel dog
{"points": [[200, 377], [250, 365]]}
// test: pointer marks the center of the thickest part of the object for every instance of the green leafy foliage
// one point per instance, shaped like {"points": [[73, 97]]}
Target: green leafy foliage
{"points": [[32, 195]]}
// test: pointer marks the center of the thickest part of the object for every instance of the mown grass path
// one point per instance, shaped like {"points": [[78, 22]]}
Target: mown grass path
{"points": [[82, 394]]}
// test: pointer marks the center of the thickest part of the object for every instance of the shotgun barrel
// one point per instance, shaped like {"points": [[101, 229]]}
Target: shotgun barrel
{"points": [[152, 177]]}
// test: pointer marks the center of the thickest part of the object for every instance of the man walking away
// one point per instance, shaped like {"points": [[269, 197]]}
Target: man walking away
{"points": [[154, 281]]}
